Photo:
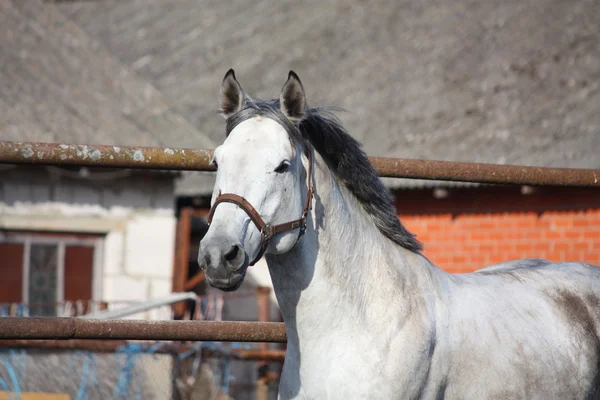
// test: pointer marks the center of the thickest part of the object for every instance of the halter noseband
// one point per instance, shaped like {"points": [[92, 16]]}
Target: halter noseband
{"points": [[267, 231]]}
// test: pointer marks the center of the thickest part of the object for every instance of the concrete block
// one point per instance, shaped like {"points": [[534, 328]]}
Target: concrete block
{"points": [[150, 246], [124, 288], [160, 288], [113, 253]]}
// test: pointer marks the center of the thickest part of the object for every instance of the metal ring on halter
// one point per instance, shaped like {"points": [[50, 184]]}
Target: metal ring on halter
{"points": [[267, 231]]}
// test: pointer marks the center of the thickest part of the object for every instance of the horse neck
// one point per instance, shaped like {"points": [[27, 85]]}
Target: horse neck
{"points": [[344, 271]]}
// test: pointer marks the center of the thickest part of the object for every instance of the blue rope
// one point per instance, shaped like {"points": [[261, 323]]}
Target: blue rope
{"points": [[197, 347], [22, 310], [126, 375], [81, 391], [23, 368], [93, 373], [154, 348], [127, 380], [151, 352], [4, 385], [12, 375], [19, 360], [196, 363], [226, 376]]}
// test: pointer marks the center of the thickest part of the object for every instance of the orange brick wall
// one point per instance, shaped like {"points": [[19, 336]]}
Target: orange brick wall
{"points": [[469, 241]]}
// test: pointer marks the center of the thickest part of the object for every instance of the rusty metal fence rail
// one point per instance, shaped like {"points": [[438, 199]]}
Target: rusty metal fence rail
{"points": [[199, 159], [79, 328]]}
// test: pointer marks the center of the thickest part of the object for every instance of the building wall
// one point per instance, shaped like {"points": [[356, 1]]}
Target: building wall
{"points": [[475, 228], [134, 213], [139, 258], [469, 242]]}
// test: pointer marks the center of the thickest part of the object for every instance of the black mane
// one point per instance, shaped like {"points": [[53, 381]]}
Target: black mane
{"points": [[344, 156]]}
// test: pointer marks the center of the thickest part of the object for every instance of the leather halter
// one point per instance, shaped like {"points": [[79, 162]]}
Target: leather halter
{"points": [[267, 231]]}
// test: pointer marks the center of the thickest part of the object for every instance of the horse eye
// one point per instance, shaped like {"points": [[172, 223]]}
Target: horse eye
{"points": [[214, 163], [284, 166]]}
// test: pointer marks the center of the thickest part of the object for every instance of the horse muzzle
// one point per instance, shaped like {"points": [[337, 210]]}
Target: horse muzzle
{"points": [[224, 264]]}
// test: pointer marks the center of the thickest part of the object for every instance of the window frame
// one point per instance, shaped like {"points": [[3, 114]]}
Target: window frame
{"points": [[61, 240]]}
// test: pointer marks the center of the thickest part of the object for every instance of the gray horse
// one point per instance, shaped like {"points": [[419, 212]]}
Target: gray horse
{"points": [[367, 315]]}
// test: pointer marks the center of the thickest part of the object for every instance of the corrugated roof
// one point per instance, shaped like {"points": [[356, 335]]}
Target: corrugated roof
{"points": [[60, 85], [483, 81]]}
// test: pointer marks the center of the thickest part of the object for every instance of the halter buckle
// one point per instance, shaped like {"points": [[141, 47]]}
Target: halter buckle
{"points": [[303, 228], [266, 233], [310, 194]]}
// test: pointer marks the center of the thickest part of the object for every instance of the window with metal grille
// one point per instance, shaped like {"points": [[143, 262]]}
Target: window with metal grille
{"points": [[44, 270]]}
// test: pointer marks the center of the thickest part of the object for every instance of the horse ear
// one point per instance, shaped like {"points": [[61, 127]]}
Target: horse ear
{"points": [[292, 99], [232, 95]]}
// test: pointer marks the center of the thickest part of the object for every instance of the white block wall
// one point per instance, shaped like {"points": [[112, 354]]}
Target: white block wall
{"points": [[140, 258], [135, 216], [149, 241]]}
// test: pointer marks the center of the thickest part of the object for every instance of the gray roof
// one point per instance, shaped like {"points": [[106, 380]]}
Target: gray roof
{"points": [[60, 85], [483, 81]]}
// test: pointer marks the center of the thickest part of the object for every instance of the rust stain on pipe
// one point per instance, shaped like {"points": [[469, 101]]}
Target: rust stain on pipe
{"points": [[199, 159], [485, 173], [79, 328], [105, 156]]}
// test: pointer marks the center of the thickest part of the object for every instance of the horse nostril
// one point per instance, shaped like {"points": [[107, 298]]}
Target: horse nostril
{"points": [[203, 262], [232, 253]]}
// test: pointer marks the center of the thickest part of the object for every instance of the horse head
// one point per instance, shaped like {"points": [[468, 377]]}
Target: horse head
{"points": [[262, 192]]}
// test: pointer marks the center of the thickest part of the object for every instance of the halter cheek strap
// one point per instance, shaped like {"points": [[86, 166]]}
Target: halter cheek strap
{"points": [[267, 231]]}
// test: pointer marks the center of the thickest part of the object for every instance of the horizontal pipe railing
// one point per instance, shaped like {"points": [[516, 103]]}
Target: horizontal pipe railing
{"points": [[105, 156], [198, 160], [78, 328]]}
